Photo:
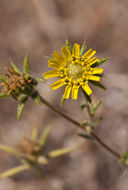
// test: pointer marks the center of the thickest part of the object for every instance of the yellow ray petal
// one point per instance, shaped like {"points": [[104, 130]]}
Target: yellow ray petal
{"points": [[66, 52], [67, 91], [57, 56], [93, 60], [50, 74], [53, 63], [57, 84], [54, 66], [75, 90], [97, 70], [93, 77], [76, 50], [89, 54], [87, 89]]}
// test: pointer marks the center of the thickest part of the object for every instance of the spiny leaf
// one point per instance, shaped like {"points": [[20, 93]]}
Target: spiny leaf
{"points": [[20, 109], [9, 150], [68, 46], [101, 61], [13, 171], [16, 69], [3, 78], [94, 107], [61, 152], [85, 136], [88, 98], [83, 48], [34, 133], [98, 84], [26, 65], [45, 135], [2, 95]]}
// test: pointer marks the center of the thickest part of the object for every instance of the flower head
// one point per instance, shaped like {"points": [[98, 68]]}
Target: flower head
{"points": [[19, 84], [14, 82], [30, 152], [74, 69]]}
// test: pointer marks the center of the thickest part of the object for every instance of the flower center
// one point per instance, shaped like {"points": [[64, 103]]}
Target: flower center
{"points": [[75, 71]]}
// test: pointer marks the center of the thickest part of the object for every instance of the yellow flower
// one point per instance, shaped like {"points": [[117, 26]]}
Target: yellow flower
{"points": [[73, 70]]}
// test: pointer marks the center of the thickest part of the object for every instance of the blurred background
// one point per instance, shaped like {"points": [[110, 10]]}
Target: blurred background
{"points": [[38, 27]]}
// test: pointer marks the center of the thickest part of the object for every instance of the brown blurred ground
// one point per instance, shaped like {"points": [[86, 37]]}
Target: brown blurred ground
{"points": [[38, 27]]}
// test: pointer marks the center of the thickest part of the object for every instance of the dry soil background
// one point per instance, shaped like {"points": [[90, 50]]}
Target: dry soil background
{"points": [[38, 27]]}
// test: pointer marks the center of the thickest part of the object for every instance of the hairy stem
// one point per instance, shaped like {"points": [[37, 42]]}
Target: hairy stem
{"points": [[95, 137]]}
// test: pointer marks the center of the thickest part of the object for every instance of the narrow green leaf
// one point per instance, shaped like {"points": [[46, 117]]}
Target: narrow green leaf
{"points": [[96, 123], [61, 152], [83, 105], [16, 69], [83, 48], [62, 101], [68, 46], [86, 123], [10, 150], [94, 107], [37, 100], [88, 98], [34, 133], [98, 84], [14, 171], [45, 135], [85, 136], [26, 65], [3, 78], [20, 109], [40, 79], [101, 61], [2, 95], [124, 158]]}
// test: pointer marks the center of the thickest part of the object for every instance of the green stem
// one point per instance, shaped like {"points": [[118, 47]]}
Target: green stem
{"points": [[59, 113], [95, 137]]}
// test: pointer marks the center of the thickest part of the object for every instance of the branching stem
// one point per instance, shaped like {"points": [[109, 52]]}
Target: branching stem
{"points": [[95, 137]]}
